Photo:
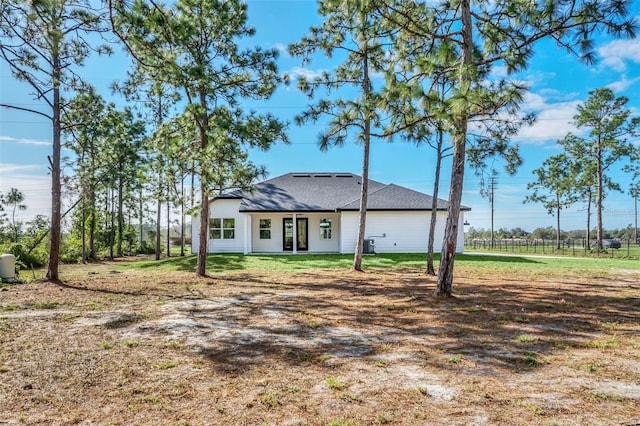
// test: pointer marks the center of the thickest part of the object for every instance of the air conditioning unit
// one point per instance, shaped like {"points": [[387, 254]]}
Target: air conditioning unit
{"points": [[369, 246]]}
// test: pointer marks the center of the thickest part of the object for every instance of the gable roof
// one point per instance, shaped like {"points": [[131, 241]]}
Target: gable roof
{"points": [[329, 192]]}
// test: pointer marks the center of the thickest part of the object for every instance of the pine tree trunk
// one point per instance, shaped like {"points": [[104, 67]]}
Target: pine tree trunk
{"points": [[93, 254], [141, 216], [558, 223], [366, 145], [204, 225], [112, 227], [168, 229], [158, 213], [434, 205], [56, 201], [449, 245], [119, 251], [599, 195], [83, 229], [201, 269], [182, 201], [362, 219], [445, 271]]}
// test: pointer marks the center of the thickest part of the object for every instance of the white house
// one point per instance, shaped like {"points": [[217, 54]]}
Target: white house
{"points": [[318, 213]]}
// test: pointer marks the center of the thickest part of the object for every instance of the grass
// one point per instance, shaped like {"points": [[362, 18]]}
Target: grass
{"points": [[335, 384], [526, 338], [482, 264], [631, 251], [299, 262], [46, 305]]}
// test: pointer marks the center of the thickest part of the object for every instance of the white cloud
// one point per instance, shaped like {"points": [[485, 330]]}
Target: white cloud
{"points": [[306, 72], [554, 120], [622, 84], [616, 52], [7, 170], [499, 71], [32, 180], [281, 47], [23, 141]]}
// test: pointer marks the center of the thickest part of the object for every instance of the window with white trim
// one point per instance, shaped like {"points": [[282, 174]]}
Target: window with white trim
{"points": [[325, 228], [222, 228], [265, 229]]}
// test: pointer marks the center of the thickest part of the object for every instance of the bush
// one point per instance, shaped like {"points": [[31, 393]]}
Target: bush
{"points": [[71, 249], [146, 248], [35, 259]]}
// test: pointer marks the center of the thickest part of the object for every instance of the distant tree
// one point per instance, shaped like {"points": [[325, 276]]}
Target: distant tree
{"points": [[13, 200], [610, 125], [502, 234], [518, 233], [546, 233], [634, 191], [86, 128], [553, 188], [634, 188], [146, 87], [41, 41], [35, 226], [473, 233], [584, 175]]}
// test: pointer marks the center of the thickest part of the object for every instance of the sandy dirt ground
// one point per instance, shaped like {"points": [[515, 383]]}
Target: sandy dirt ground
{"points": [[321, 347]]}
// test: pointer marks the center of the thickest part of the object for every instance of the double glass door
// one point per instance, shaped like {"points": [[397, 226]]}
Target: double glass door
{"points": [[302, 228]]}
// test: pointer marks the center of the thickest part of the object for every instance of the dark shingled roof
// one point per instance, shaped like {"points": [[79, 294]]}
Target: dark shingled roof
{"points": [[325, 192]]}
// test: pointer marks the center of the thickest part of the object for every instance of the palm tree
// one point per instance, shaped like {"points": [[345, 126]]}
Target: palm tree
{"points": [[14, 198]]}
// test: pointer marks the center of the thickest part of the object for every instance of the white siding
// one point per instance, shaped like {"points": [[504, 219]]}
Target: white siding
{"points": [[316, 244], [404, 232], [396, 231], [272, 245], [222, 208]]}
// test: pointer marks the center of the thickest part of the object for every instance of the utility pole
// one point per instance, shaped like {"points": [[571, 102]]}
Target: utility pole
{"points": [[487, 190], [635, 193], [491, 198], [636, 216]]}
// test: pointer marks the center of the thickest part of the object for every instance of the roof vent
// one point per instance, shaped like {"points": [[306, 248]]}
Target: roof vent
{"points": [[301, 175]]}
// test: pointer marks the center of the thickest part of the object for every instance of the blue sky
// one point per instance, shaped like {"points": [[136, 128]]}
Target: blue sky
{"points": [[558, 83]]}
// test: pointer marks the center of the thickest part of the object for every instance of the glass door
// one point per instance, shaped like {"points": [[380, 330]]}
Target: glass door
{"points": [[287, 234], [303, 231], [302, 234]]}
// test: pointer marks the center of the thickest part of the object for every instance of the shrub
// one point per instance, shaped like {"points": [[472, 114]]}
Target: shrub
{"points": [[35, 259]]}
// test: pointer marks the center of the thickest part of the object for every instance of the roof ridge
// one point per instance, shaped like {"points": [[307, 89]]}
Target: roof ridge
{"points": [[370, 193]]}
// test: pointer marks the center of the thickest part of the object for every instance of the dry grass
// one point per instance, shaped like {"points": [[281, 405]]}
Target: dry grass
{"points": [[322, 347]]}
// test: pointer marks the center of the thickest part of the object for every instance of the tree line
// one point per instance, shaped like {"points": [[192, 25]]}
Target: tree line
{"points": [[421, 72], [548, 233], [582, 172]]}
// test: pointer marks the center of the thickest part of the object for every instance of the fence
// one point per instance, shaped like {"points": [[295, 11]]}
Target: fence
{"points": [[628, 249]]}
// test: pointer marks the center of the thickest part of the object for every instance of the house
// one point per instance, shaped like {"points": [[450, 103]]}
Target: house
{"points": [[318, 213]]}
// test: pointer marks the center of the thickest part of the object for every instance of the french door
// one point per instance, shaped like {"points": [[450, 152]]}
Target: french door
{"points": [[302, 240]]}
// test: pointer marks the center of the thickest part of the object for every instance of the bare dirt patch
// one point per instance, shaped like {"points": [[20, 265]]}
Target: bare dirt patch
{"points": [[321, 347]]}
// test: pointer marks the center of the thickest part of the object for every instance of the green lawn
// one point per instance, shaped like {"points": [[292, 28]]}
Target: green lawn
{"points": [[548, 247], [289, 263]]}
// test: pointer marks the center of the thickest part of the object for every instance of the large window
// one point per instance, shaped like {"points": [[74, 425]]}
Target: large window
{"points": [[222, 228], [325, 229], [265, 229]]}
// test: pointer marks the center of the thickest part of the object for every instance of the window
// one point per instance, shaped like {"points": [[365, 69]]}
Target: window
{"points": [[325, 229], [222, 228], [265, 229]]}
